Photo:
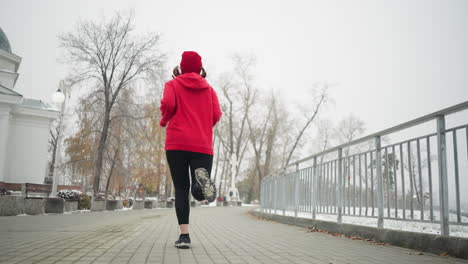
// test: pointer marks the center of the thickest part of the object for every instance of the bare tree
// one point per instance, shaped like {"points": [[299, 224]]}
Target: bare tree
{"points": [[53, 143], [320, 101], [414, 178], [325, 136], [349, 129], [258, 138], [264, 134], [237, 98], [80, 147], [256, 129], [108, 56]]}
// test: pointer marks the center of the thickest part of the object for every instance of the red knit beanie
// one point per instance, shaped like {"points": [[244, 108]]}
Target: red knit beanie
{"points": [[191, 62]]}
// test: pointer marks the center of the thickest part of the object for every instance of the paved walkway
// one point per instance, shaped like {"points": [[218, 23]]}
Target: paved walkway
{"points": [[219, 235]]}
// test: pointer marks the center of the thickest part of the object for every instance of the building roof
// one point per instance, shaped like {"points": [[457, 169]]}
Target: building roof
{"points": [[36, 104], [4, 42], [4, 90]]}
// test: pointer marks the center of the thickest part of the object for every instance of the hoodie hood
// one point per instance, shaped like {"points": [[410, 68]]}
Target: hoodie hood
{"points": [[192, 81]]}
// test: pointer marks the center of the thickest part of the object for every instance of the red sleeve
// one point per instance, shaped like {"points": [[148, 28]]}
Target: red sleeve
{"points": [[216, 109], [168, 104]]}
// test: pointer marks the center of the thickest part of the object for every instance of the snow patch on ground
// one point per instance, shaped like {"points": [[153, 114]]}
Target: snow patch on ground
{"points": [[124, 209], [411, 226], [209, 205], [82, 211]]}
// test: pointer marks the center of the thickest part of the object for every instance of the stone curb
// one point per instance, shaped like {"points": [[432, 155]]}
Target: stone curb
{"points": [[454, 246]]}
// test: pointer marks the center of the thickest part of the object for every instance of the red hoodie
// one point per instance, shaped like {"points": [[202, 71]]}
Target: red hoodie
{"points": [[191, 107]]}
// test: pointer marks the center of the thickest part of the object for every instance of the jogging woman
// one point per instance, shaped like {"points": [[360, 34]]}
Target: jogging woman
{"points": [[190, 109]]}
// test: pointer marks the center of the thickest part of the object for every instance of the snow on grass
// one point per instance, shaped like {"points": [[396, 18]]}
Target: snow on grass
{"points": [[83, 211], [124, 209], [209, 205], [394, 224]]}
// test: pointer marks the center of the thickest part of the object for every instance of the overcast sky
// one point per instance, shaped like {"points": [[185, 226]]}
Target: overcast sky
{"points": [[392, 60]]}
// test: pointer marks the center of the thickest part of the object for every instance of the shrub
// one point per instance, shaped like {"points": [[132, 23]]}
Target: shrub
{"points": [[84, 202], [69, 194], [102, 196], [4, 191]]}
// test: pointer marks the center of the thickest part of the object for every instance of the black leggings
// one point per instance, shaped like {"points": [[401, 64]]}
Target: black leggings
{"points": [[179, 162]]}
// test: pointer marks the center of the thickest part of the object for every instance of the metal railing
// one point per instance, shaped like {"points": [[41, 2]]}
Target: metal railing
{"points": [[408, 180]]}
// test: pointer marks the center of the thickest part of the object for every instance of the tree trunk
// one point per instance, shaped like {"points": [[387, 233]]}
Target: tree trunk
{"points": [[222, 178], [312, 118], [54, 143], [270, 142], [217, 160], [413, 175], [111, 171], [100, 153]]}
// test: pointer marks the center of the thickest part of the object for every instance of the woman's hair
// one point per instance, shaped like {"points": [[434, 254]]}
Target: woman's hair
{"points": [[176, 72]]}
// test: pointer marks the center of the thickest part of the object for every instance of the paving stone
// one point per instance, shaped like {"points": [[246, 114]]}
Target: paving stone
{"points": [[219, 235]]}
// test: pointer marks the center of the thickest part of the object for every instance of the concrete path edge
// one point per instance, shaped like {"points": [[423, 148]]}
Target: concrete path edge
{"points": [[453, 246]]}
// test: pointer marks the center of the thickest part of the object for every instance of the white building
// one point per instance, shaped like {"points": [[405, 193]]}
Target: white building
{"points": [[24, 125]]}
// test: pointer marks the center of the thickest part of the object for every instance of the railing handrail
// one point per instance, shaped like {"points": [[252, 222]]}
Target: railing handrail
{"points": [[320, 188], [417, 121]]}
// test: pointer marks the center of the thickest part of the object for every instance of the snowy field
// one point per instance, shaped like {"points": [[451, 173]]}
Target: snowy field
{"points": [[412, 226]]}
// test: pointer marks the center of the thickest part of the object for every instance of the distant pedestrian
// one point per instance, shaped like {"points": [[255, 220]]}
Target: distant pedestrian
{"points": [[190, 109]]}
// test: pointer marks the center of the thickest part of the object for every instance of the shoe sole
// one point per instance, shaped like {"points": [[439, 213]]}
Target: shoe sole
{"points": [[207, 186], [182, 245]]}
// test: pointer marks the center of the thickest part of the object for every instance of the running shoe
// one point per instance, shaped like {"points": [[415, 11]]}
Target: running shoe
{"points": [[208, 188], [183, 241]]}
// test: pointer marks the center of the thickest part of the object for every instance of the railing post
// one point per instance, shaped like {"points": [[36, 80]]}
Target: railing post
{"points": [[261, 195], [275, 193], [285, 183], [339, 197], [265, 201], [296, 190], [314, 190], [378, 164], [266, 195], [269, 195], [443, 181]]}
